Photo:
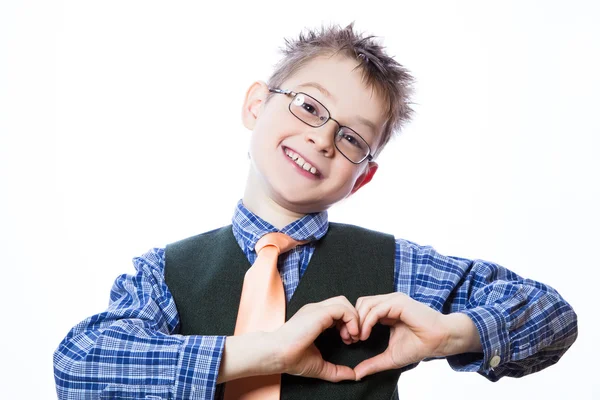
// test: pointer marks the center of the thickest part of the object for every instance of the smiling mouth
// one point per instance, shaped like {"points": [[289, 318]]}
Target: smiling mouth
{"points": [[301, 162]]}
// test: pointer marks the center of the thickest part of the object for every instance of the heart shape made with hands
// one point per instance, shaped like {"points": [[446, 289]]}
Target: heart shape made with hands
{"points": [[352, 353], [394, 331], [379, 333]]}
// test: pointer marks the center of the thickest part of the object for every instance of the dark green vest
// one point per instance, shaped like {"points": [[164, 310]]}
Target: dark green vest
{"points": [[205, 274]]}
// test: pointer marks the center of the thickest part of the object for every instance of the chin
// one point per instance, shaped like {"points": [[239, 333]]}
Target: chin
{"points": [[297, 199], [302, 204], [294, 203]]}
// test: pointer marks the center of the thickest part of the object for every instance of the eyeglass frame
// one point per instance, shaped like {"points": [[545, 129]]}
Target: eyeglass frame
{"points": [[293, 94]]}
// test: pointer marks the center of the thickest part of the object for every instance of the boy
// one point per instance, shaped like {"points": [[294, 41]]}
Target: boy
{"points": [[362, 306]]}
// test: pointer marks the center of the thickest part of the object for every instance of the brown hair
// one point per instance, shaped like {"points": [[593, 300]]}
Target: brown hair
{"points": [[382, 73]]}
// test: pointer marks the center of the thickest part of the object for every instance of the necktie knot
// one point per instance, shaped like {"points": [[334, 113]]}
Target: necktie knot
{"points": [[281, 241]]}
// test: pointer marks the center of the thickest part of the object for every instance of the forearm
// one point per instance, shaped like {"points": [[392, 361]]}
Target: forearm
{"points": [[132, 349], [126, 358], [523, 334], [524, 326]]}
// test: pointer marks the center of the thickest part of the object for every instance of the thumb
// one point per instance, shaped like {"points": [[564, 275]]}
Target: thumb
{"points": [[381, 362], [336, 373]]}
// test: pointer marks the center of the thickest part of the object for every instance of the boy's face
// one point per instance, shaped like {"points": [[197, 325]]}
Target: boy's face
{"points": [[277, 134]]}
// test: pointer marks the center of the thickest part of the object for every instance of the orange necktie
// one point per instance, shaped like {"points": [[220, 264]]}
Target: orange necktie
{"points": [[262, 308]]}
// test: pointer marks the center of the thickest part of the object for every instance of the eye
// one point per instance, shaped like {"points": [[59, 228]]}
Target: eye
{"points": [[310, 109], [307, 105], [351, 139], [348, 137]]}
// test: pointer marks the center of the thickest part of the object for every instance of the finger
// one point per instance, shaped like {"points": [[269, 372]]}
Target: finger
{"points": [[336, 300], [390, 309], [351, 338], [322, 316], [328, 312], [363, 311], [344, 334], [377, 313], [342, 300], [346, 315], [388, 321], [381, 362], [358, 302], [365, 304], [335, 373]]}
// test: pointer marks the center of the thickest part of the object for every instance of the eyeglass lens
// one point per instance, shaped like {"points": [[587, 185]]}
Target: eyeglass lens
{"points": [[313, 113]]}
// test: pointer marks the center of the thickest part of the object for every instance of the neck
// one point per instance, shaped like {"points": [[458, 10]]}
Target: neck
{"points": [[256, 200]]}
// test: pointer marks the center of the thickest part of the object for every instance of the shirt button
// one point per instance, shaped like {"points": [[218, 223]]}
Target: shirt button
{"points": [[495, 361]]}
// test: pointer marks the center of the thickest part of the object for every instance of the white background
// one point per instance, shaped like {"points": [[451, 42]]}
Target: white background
{"points": [[120, 130]]}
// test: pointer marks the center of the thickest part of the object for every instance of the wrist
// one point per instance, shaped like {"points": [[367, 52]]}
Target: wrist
{"points": [[247, 355], [462, 335]]}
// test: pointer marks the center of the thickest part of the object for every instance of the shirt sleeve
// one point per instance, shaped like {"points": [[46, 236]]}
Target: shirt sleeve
{"points": [[132, 349], [524, 326]]}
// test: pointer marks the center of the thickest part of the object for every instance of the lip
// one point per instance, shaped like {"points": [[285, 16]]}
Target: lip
{"points": [[298, 168]]}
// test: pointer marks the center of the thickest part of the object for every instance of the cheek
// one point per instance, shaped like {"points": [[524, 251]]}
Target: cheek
{"points": [[269, 131], [346, 176]]}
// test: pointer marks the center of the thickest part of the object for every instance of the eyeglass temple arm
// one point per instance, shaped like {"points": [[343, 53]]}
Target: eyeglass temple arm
{"points": [[282, 91]]}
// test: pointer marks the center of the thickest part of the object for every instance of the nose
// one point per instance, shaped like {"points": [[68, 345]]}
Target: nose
{"points": [[322, 137]]}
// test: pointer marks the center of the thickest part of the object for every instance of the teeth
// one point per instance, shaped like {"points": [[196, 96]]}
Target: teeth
{"points": [[300, 161]]}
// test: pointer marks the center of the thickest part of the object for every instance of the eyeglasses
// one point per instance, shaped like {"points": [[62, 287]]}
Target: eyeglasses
{"points": [[310, 111]]}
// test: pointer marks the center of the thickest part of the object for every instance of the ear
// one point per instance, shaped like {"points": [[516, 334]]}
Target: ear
{"points": [[365, 177], [253, 102]]}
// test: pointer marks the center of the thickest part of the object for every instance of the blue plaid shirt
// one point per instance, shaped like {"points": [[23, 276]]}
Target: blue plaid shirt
{"points": [[133, 349]]}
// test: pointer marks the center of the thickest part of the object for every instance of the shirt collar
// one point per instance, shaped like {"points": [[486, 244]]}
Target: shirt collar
{"points": [[249, 227]]}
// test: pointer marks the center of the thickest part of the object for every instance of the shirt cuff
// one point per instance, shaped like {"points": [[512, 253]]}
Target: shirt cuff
{"points": [[495, 341], [198, 367]]}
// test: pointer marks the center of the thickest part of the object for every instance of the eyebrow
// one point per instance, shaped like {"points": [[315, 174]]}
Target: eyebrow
{"points": [[326, 93], [320, 88]]}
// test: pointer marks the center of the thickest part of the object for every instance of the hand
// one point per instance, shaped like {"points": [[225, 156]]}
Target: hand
{"points": [[416, 331], [299, 356]]}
